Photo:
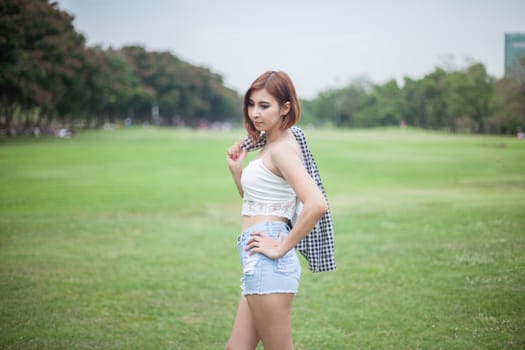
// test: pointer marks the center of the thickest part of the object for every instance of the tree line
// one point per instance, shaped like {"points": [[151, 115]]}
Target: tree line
{"points": [[50, 77], [456, 99]]}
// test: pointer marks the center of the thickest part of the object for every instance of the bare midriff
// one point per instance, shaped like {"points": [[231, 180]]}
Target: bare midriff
{"points": [[248, 221]]}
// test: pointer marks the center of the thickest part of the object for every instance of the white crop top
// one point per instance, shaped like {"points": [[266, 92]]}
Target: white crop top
{"points": [[266, 193]]}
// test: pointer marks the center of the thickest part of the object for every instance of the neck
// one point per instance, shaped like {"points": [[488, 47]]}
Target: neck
{"points": [[275, 135]]}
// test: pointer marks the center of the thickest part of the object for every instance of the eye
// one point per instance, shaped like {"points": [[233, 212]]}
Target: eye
{"points": [[265, 106], [250, 103]]}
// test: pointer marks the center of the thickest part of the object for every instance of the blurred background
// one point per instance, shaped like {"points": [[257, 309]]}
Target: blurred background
{"points": [[445, 65]]}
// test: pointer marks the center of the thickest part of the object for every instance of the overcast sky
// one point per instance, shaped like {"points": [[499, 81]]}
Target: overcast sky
{"points": [[321, 44]]}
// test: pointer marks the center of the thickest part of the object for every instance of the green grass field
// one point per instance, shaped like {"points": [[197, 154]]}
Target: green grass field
{"points": [[125, 239]]}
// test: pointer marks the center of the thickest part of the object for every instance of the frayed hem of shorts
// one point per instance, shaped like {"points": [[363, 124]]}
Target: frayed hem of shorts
{"points": [[270, 292]]}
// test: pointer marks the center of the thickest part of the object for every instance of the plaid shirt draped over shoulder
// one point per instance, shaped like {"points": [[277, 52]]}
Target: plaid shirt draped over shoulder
{"points": [[318, 245]]}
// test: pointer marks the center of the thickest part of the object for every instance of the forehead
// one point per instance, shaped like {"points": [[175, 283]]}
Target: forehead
{"points": [[262, 95]]}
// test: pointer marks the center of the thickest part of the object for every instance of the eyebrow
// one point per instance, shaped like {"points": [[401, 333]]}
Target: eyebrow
{"points": [[260, 102]]}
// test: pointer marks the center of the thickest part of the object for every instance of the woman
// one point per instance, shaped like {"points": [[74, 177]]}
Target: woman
{"points": [[271, 186]]}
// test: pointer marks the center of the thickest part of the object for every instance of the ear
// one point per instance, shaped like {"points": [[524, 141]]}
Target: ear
{"points": [[285, 108]]}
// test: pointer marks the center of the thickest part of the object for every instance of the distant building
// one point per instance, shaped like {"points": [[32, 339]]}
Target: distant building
{"points": [[514, 50]]}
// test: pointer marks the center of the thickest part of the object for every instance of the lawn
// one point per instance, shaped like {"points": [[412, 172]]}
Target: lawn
{"points": [[125, 239]]}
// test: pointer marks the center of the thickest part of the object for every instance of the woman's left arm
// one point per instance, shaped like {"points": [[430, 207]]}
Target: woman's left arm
{"points": [[286, 159]]}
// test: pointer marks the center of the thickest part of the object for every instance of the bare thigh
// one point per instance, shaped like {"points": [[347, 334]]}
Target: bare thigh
{"points": [[243, 334], [271, 314]]}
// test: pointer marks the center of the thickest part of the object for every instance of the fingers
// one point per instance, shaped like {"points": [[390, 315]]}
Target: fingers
{"points": [[233, 152], [236, 150], [260, 242], [254, 244], [255, 241]]}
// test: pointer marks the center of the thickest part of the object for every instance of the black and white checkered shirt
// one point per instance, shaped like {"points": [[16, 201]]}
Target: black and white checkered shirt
{"points": [[318, 245]]}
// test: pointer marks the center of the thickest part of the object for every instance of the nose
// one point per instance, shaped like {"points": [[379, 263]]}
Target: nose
{"points": [[255, 112]]}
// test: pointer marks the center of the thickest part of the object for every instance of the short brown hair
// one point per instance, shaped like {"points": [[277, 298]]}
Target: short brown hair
{"points": [[280, 86]]}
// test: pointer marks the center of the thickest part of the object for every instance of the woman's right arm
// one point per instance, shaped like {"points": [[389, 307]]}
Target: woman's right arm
{"points": [[235, 156]]}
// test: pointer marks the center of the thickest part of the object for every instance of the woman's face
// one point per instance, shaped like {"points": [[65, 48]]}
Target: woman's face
{"points": [[264, 110]]}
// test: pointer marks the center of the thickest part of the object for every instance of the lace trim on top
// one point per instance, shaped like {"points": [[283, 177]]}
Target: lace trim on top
{"points": [[283, 209]]}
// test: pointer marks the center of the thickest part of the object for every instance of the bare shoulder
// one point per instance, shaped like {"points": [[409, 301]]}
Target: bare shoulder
{"points": [[291, 144], [286, 154]]}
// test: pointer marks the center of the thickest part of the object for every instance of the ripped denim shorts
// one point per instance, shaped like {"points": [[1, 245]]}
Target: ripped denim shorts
{"points": [[262, 275]]}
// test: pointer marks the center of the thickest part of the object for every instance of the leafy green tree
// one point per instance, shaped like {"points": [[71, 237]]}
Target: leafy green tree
{"points": [[388, 104], [415, 111], [508, 105], [307, 112], [435, 92], [325, 109], [182, 90], [12, 60], [41, 57], [341, 107], [352, 102], [471, 94]]}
